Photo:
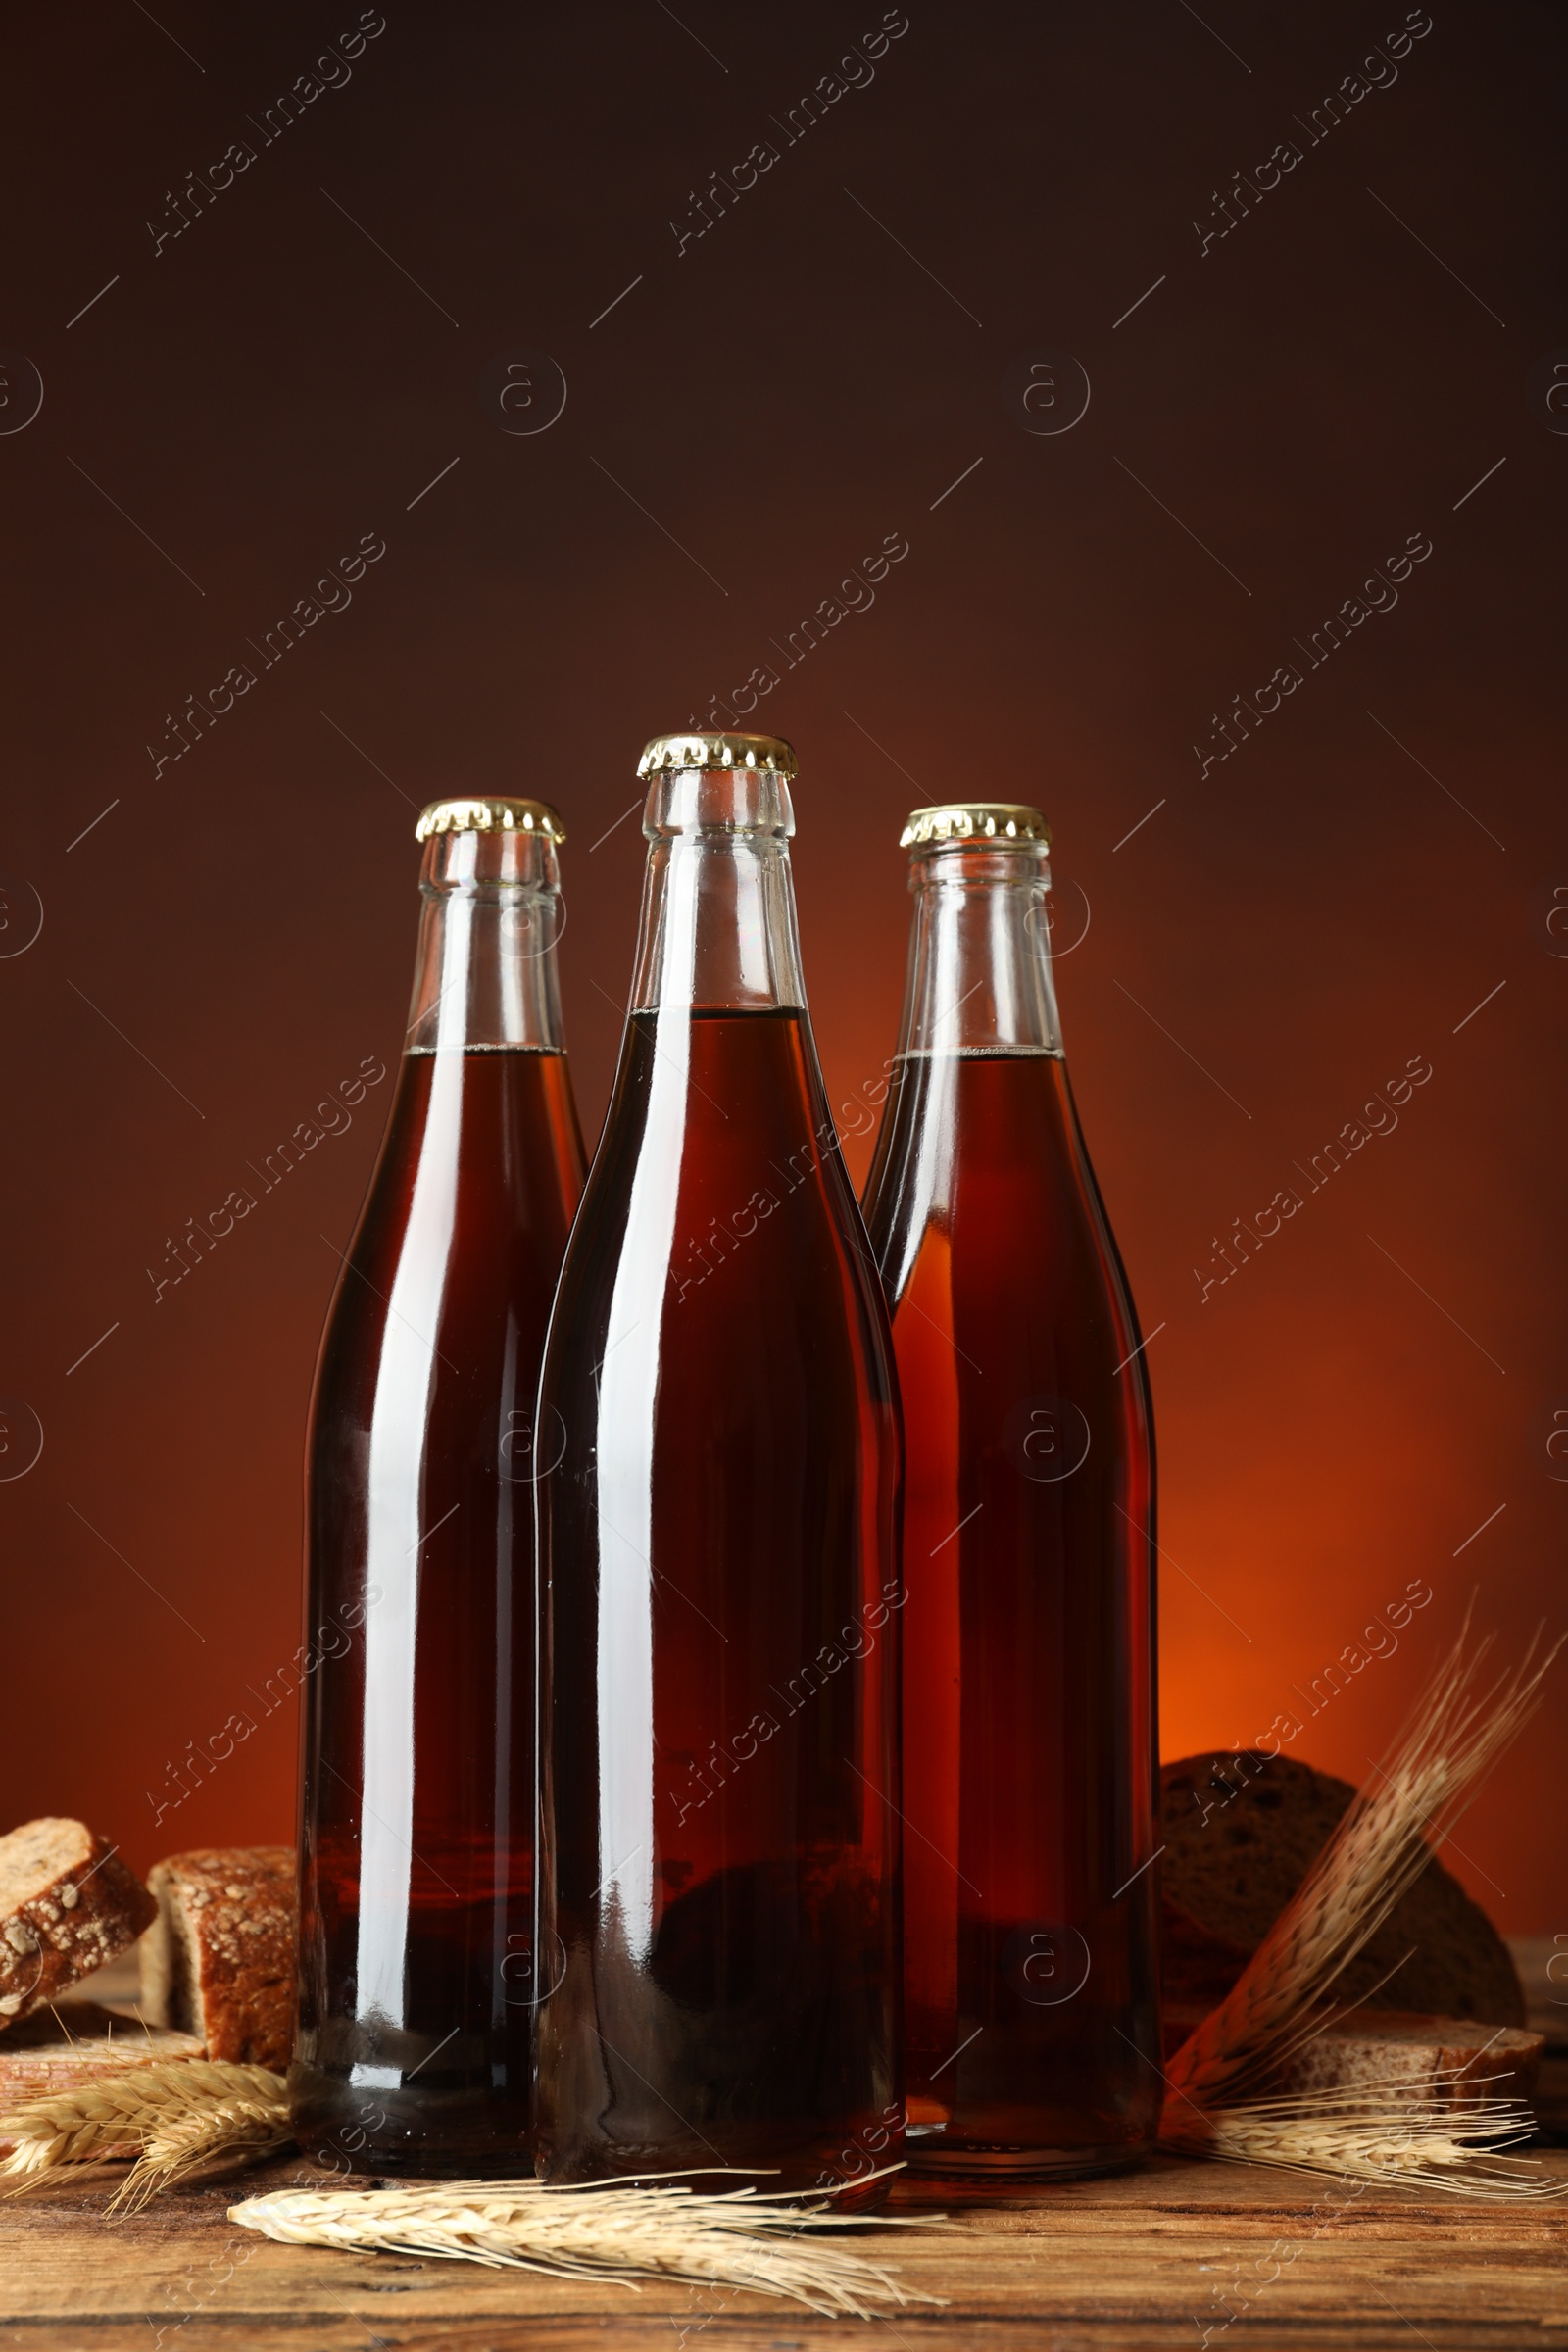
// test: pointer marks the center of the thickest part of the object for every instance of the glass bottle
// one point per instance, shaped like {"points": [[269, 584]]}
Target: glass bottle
{"points": [[718, 1556], [417, 1798], [1029, 1753]]}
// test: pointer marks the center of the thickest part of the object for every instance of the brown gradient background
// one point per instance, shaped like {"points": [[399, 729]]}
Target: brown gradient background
{"points": [[1266, 950]]}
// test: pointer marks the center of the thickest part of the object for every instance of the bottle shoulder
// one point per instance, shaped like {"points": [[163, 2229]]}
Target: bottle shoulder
{"points": [[468, 1206], [974, 1136], [718, 1214], [983, 1175]]}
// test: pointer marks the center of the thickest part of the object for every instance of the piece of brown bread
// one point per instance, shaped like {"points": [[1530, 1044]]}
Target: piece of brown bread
{"points": [[1240, 1832], [74, 2041], [1453, 2059], [219, 1959], [67, 1903]]}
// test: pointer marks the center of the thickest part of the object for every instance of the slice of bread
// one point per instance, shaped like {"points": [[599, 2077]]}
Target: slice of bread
{"points": [[1240, 1832], [219, 1959], [1451, 2060], [67, 1903], [74, 2041]]}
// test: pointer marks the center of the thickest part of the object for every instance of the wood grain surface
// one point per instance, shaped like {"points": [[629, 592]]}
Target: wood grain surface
{"points": [[1168, 2256]]}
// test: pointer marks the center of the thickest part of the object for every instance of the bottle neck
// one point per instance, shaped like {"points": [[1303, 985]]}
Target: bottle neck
{"points": [[979, 978], [717, 928], [485, 974]]}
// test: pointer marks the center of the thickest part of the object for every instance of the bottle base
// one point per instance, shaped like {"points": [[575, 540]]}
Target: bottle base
{"points": [[1000, 2166], [411, 2133], [419, 2162], [790, 2171]]}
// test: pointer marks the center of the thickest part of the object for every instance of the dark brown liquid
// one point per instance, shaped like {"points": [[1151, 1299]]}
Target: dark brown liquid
{"points": [[720, 1548], [415, 1983], [1028, 1635]]}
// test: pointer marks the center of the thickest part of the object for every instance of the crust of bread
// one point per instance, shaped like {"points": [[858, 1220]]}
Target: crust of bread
{"points": [[219, 1959], [68, 1904], [76, 2041], [1399, 2046], [1451, 2059]]}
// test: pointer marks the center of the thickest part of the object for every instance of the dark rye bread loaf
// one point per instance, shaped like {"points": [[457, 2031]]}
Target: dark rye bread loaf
{"points": [[1241, 1830]]}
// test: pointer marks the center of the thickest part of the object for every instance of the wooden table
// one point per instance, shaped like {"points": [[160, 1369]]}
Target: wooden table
{"points": [[1156, 2258]]}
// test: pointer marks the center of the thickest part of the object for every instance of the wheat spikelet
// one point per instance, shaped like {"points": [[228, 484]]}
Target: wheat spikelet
{"points": [[241, 2129], [599, 2231], [1379, 2132], [43, 2141], [1375, 1854], [120, 2113]]}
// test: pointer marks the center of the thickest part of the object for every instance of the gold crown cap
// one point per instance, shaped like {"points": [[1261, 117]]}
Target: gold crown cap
{"points": [[974, 825], [490, 815], [769, 752]]}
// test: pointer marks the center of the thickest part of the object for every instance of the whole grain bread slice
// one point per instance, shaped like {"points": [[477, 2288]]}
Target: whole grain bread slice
{"points": [[1241, 1830], [219, 1959], [68, 1904]]}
